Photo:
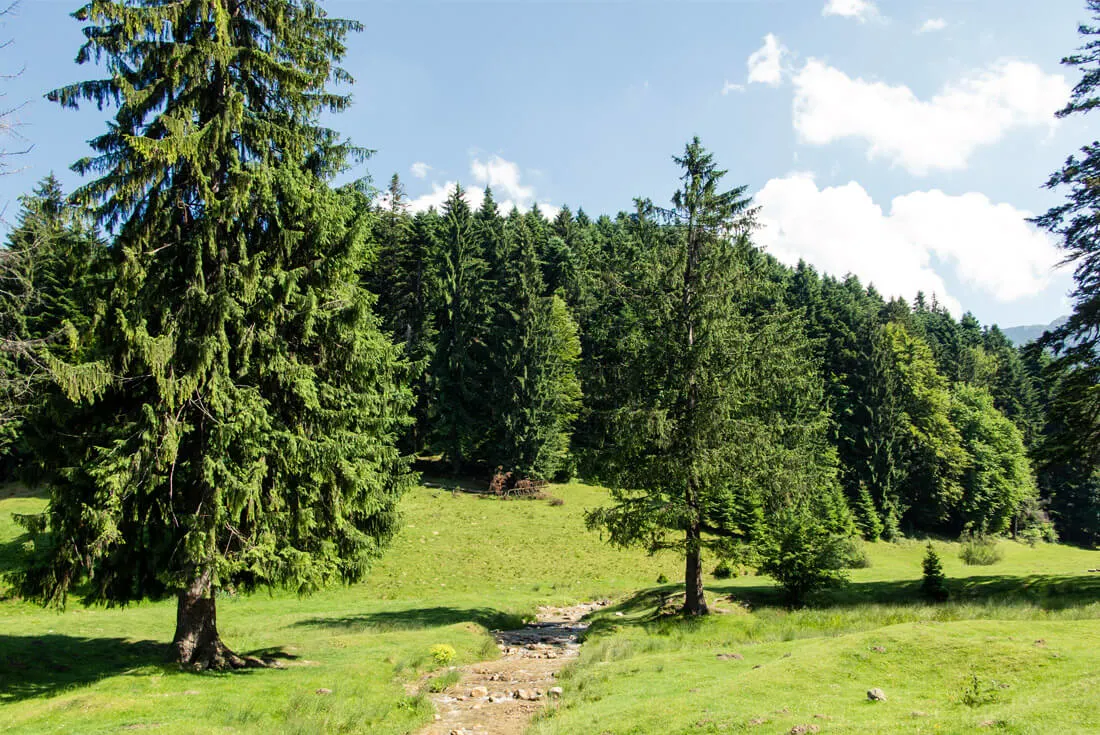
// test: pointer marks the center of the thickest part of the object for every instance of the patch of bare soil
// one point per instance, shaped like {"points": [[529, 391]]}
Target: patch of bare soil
{"points": [[500, 697]]}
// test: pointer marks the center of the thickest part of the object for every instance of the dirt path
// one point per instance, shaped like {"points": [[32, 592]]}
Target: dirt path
{"points": [[500, 697]]}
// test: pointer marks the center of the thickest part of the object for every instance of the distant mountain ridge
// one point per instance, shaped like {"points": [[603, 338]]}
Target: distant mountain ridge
{"points": [[1024, 334]]}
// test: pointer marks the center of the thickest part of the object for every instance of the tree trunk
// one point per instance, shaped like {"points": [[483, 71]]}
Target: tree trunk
{"points": [[694, 601], [196, 642]]}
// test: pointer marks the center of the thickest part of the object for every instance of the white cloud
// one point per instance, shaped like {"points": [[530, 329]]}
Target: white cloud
{"points": [[420, 169], [861, 10], [932, 25], [731, 87], [925, 135], [841, 230], [502, 176], [766, 63], [992, 246]]}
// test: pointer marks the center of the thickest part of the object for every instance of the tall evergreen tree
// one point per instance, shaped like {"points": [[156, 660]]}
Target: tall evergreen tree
{"points": [[460, 413], [537, 393], [883, 432], [238, 427], [1070, 451], [402, 277], [719, 425], [51, 273]]}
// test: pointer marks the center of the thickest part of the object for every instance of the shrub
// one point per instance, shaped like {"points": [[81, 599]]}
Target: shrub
{"points": [[1034, 535], [977, 692], [855, 555], [802, 554], [980, 551], [662, 579], [934, 584], [723, 570], [442, 654], [1033, 524]]}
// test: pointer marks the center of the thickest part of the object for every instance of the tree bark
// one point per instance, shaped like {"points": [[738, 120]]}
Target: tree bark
{"points": [[196, 642], [695, 603]]}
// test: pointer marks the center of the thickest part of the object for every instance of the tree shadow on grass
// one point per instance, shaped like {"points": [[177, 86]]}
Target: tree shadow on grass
{"points": [[1044, 591], [43, 665], [417, 619]]}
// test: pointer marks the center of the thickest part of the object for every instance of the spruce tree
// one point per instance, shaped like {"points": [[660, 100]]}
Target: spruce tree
{"points": [[884, 431], [460, 412], [1069, 451], [933, 581], [537, 393], [51, 273], [718, 424], [238, 426], [402, 278]]}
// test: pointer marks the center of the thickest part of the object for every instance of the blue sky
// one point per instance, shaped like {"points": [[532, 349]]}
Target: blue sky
{"points": [[903, 141]]}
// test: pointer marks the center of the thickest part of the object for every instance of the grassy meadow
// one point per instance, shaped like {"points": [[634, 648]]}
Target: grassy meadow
{"points": [[1017, 650]]}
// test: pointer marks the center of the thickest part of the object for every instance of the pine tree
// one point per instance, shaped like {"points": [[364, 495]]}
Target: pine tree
{"points": [[537, 393], [402, 277], [1069, 450], [933, 583], [718, 424], [51, 273], [238, 426], [460, 413]]}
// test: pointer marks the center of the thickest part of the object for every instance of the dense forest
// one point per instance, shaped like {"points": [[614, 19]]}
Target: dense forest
{"points": [[223, 364], [528, 334]]}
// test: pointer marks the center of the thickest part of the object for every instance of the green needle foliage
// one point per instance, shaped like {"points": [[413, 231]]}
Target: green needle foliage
{"points": [[1069, 451], [720, 423], [934, 583], [537, 394], [237, 427], [460, 420], [51, 273]]}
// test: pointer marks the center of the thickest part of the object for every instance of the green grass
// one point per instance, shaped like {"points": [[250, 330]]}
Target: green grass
{"points": [[1025, 631], [462, 565], [643, 684], [465, 564]]}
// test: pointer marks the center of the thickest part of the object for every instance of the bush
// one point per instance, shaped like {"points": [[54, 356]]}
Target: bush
{"points": [[980, 551], [855, 555], [802, 554], [1034, 535], [723, 570], [934, 584], [977, 692], [442, 654], [662, 579]]}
